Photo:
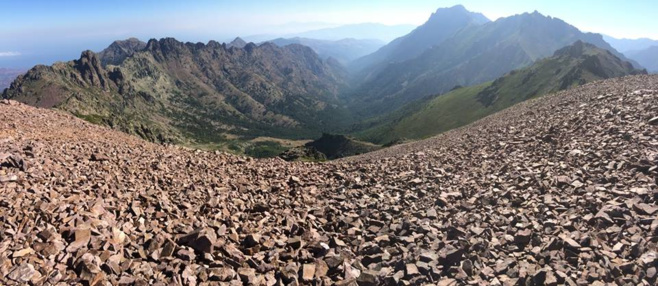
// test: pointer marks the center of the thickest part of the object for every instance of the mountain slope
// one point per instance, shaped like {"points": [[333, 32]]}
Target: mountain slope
{"points": [[474, 55], [185, 92], [237, 43], [118, 51], [570, 66], [648, 58], [442, 24], [556, 191], [344, 50]]}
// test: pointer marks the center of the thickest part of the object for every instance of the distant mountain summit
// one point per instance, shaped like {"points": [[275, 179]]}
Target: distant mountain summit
{"points": [[344, 50], [473, 55], [361, 31], [237, 43], [120, 50], [630, 45], [442, 24], [648, 58]]}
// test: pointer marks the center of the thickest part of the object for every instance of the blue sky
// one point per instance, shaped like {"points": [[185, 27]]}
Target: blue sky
{"points": [[39, 31]]}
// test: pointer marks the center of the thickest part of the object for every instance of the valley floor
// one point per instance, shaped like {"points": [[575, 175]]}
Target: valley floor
{"points": [[557, 190]]}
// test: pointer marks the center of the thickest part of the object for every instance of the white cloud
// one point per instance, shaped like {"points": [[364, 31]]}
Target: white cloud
{"points": [[9, 54]]}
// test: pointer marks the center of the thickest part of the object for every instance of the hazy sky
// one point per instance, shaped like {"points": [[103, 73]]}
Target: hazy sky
{"points": [[42, 31]]}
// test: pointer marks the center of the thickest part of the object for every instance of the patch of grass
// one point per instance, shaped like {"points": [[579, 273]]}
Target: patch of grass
{"points": [[444, 112], [264, 149], [92, 118]]}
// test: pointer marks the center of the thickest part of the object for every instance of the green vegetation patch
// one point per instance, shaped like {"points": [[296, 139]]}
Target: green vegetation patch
{"points": [[264, 149], [92, 118]]}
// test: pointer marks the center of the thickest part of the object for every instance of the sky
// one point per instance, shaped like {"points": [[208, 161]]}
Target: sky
{"points": [[43, 31]]}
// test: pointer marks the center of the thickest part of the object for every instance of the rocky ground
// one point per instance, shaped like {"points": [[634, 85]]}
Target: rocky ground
{"points": [[559, 190]]}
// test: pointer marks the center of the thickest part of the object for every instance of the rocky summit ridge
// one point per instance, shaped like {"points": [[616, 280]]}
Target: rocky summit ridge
{"points": [[170, 91], [555, 190], [118, 51]]}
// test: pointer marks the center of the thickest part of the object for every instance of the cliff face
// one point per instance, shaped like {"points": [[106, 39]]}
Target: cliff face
{"points": [[175, 91]]}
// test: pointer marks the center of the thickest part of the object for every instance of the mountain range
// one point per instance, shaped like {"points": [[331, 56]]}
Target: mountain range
{"points": [[365, 31], [344, 50], [442, 24], [647, 57], [180, 92], [627, 45], [247, 97], [361, 31], [644, 51], [474, 54], [570, 66]]}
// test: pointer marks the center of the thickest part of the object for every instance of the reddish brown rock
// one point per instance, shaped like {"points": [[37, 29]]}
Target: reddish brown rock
{"points": [[558, 190], [308, 272], [202, 239], [22, 273]]}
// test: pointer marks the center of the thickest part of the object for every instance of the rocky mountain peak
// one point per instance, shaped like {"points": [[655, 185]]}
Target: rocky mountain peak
{"points": [[441, 25], [132, 43], [170, 43], [250, 47], [214, 44], [119, 50], [152, 44], [169, 48], [88, 55], [133, 40], [453, 9], [535, 19], [163, 44], [456, 12], [600, 62], [90, 68], [237, 43], [577, 49]]}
